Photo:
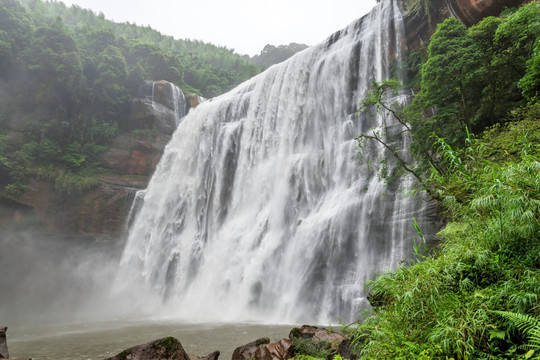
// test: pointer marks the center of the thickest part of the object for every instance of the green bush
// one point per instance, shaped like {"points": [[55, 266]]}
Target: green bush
{"points": [[489, 259]]}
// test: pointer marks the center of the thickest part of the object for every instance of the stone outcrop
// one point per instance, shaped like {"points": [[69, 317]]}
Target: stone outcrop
{"points": [[135, 155], [420, 25], [323, 339], [263, 349], [159, 106], [316, 334], [168, 348], [4, 353], [328, 340], [212, 356]]}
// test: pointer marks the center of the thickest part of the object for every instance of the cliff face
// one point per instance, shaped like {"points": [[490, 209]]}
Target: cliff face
{"points": [[131, 160], [420, 25]]}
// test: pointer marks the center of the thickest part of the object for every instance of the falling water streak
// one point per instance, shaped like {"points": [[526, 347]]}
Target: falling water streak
{"points": [[260, 209]]}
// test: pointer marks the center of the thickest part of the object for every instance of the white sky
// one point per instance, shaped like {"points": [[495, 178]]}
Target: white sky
{"points": [[243, 25]]}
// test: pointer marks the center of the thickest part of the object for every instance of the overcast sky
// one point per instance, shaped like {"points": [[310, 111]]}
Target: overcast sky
{"points": [[243, 25]]}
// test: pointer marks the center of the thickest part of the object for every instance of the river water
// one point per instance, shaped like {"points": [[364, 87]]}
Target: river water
{"points": [[106, 339]]}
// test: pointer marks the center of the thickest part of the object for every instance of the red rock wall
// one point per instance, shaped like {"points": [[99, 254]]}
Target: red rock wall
{"points": [[419, 28], [472, 11]]}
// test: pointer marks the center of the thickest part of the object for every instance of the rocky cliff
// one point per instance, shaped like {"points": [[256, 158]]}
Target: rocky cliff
{"points": [[422, 16], [130, 162]]}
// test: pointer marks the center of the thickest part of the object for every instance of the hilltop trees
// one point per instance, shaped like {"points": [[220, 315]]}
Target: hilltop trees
{"points": [[68, 76]]}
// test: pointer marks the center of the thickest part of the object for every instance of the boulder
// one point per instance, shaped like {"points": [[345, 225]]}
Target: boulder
{"points": [[212, 356], [316, 333], [168, 348], [263, 349], [248, 351], [278, 350], [334, 342], [4, 353]]}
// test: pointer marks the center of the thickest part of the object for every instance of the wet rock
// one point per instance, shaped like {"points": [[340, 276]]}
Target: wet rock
{"points": [[278, 350], [146, 114], [212, 356], [316, 334], [323, 340], [4, 353], [263, 349], [162, 92], [248, 351], [133, 155], [168, 348], [345, 350], [160, 106], [193, 100]]}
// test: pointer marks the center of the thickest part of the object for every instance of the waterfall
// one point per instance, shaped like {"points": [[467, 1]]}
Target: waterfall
{"points": [[261, 209]]}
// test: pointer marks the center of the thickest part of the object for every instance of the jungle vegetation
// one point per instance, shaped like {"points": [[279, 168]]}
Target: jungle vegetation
{"points": [[474, 126]]}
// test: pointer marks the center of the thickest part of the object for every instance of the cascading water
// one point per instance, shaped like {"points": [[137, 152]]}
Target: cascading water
{"points": [[260, 208]]}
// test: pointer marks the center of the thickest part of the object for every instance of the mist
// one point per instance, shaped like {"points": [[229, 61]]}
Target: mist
{"points": [[46, 279]]}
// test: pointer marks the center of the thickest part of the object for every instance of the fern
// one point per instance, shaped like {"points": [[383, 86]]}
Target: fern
{"points": [[529, 326]]}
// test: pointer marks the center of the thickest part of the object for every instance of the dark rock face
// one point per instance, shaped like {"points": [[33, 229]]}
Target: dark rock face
{"points": [[146, 114], [159, 106], [4, 353], [212, 356], [167, 348], [263, 349], [278, 350], [129, 155], [248, 351], [420, 26], [472, 11]]}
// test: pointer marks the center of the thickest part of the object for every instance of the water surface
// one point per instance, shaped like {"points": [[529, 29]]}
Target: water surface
{"points": [[102, 340]]}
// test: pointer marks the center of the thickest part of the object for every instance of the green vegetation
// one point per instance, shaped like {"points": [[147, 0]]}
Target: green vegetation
{"points": [[67, 78], [476, 295], [309, 347], [271, 54]]}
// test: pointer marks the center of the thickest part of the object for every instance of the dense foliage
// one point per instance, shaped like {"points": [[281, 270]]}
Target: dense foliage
{"points": [[271, 54], [477, 294], [67, 78]]}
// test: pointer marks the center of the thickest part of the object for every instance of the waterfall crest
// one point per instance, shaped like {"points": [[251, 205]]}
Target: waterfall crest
{"points": [[260, 208]]}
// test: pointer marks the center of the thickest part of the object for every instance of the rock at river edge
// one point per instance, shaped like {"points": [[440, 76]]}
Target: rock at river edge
{"points": [[4, 353]]}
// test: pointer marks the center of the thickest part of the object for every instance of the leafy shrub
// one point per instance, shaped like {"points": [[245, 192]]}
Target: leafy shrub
{"points": [[311, 348]]}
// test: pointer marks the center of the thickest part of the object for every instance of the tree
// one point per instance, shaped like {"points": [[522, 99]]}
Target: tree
{"points": [[55, 67], [396, 122], [447, 79]]}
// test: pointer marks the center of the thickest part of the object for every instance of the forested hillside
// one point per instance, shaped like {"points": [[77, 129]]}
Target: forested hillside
{"points": [[67, 79]]}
